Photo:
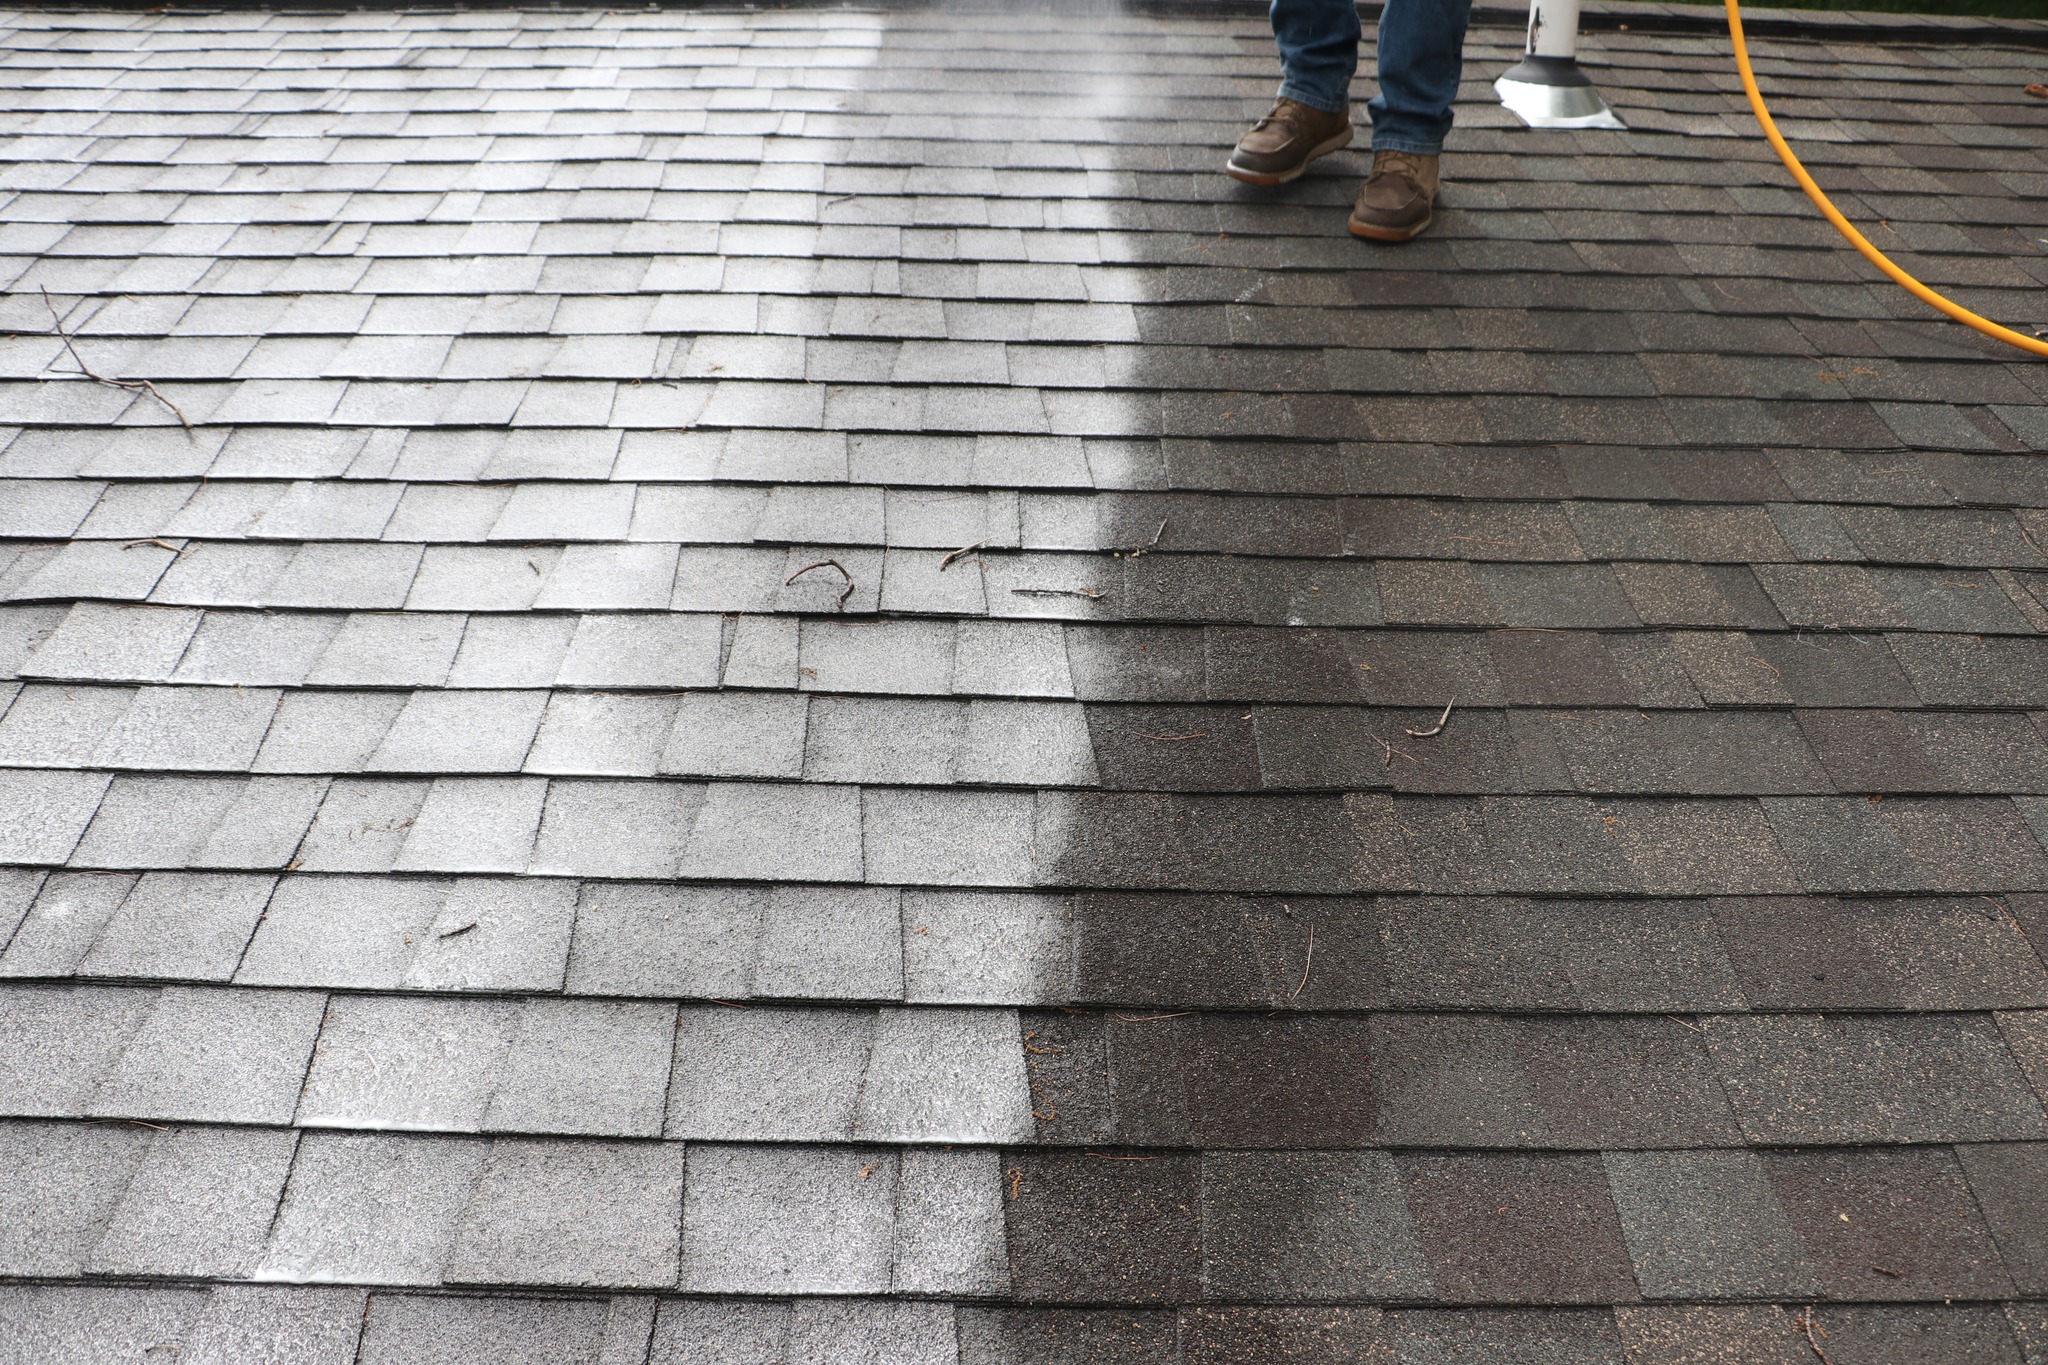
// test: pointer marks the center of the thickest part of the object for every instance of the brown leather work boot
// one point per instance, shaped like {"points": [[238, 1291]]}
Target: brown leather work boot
{"points": [[1279, 146], [1398, 199]]}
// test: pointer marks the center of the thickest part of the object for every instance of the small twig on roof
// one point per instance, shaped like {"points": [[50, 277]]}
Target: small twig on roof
{"points": [[1804, 1321], [825, 564], [157, 541], [1392, 752], [1169, 739], [2027, 536], [960, 553], [1151, 1018], [132, 385], [1133, 551], [1106, 1156], [1090, 593], [1437, 728], [1307, 958], [458, 933]]}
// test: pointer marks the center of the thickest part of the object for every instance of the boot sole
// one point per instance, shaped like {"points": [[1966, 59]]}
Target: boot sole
{"points": [[1402, 234], [1268, 179]]}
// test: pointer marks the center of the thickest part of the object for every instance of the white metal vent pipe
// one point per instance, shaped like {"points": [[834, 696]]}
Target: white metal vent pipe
{"points": [[1546, 89]]}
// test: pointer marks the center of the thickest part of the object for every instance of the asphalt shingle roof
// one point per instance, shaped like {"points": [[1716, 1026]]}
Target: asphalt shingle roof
{"points": [[779, 706]]}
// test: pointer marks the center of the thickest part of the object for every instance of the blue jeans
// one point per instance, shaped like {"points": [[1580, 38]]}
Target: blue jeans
{"points": [[1422, 48]]}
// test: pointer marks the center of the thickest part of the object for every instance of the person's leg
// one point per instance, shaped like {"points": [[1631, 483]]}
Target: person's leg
{"points": [[1421, 55], [1318, 41]]}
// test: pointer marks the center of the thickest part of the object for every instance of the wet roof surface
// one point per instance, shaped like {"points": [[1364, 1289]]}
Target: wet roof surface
{"points": [[780, 707]]}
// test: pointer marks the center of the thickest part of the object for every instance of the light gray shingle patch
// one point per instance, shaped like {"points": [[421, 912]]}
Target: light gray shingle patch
{"points": [[480, 578], [821, 514], [45, 509], [602, 734], [1023, 743], [18, 889], [215, 1054], [63, 1324], [248, 1325], [52, 726], [57, 1041], [907, 657], [949, 838], [207, 729], [913, 582], [199, 1204], [223, 509], [873, 1329], [642, 651], [788, 1220], [264, 825], [573, 1213], [512, 651], [23, 630], [327, 732], [977, 948], [883, 739], [565, 511], [610, 578], [68, 914], [407, 1063], [223, 574], [665, 941], [156, 822], [949, 1224], [615, 829], [96, 568], [945, 1075], [361, 826], [257, 649], [341, 931], [830, 943], [1707, 1225], [697, 514], [763, 654], [64, 1182], [331, 510], [117, 643], [787, 833], [371, 1209], [389, 649], [497, 934], [461, 732], [697, 1331], [1307, 1225], [585, 1066], [443, 512], [737, 734], [447, 1329], [185, 926], [768, 1074]]}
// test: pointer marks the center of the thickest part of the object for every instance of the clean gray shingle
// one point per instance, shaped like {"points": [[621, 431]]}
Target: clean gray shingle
{"points": [[407, 1063], [371, 1208], [268, 1325], [447, 1329], [585, 1066], [909, 657], [199, 1204], [615, 829], [65, 1182], [180, 925], [341, 931], [665, 940], [327, 732], [205, 729], [788, 1220], [115, 643], [68, 915], [512, 651], [460, 732], [949, 838], [945, 1075], [361, 826], [755, 830], [156, 822], [52, 726], [949, 1224], [220, 1054], [573, 1213], [994, 948], [265, 823], [830, 943], [666, 651], [257, 649], [610, 578], [497, 934], [768, 1074], [56, 1042], [737, 734], [602, 734], [390, 649]]}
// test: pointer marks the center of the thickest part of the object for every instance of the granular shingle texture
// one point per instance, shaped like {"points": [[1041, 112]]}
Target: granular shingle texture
{"points": [[803, 696]]}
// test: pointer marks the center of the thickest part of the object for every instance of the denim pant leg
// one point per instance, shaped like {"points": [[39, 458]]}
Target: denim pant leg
{"points": [[1318, 42], [1422, 49]]}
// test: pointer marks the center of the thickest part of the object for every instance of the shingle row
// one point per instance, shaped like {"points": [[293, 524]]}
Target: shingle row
{"points": [[1155, 951], [1845, 1224], [235, 1325], [1641, 534], [932, 741], [277, 1205], [1306, 844]]}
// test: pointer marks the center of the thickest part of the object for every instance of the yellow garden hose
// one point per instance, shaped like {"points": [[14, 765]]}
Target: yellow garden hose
{"points": [[1843, 225]]}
